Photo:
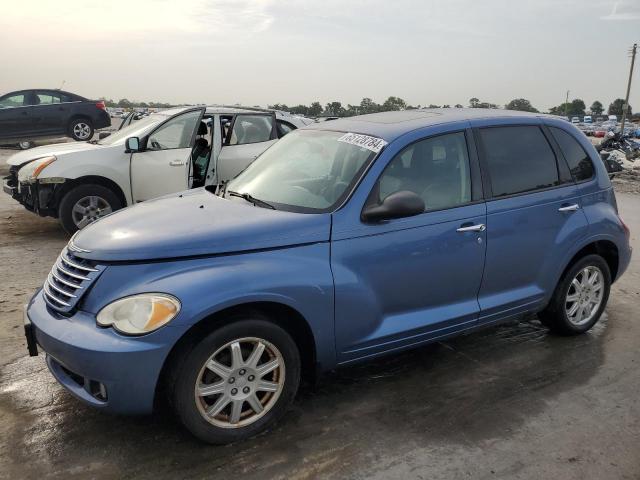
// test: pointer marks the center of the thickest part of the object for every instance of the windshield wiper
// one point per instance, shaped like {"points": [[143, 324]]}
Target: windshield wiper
{"points": [[250, 199]]}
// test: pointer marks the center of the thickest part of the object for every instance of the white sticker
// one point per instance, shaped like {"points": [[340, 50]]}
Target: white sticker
{"points": [[374, 144]]}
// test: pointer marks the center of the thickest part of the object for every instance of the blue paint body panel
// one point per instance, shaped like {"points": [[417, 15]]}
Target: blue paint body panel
{"points": [[362, 289]]}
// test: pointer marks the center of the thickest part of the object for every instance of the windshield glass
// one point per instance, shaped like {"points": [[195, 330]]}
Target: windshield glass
{"points": [[308, 171], [136, 129]]}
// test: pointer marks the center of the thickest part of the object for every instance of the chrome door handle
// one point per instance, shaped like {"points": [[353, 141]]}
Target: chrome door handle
{"points": [[569, 208], [481, 227], [176, 163]]}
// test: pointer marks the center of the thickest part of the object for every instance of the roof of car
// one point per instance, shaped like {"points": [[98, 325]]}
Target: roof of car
{"points": [[390, 125]]}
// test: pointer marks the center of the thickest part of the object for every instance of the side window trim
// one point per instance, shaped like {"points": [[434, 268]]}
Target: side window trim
{"points": [[473, 172], [486, 179]]}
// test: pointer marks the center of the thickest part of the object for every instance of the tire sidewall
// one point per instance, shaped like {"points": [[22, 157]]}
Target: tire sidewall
{"points": [[70, 198], [74, 122], [563, 288], [183, 391]]}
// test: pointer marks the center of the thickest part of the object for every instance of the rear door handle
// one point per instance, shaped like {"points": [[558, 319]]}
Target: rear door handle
{"points": [[569, 208], [176, 163], [481, 227]]}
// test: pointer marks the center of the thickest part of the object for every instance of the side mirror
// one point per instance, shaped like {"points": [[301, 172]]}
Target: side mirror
{"points": [[103, 135], [132, 145], [397, 205]]}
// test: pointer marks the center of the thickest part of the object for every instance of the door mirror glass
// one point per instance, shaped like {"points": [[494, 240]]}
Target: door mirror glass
{"points": [[132, 144], [397, 205]]}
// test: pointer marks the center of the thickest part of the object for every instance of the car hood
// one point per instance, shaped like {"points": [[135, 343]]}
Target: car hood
{"points": [[195, 223], [58, 149]]}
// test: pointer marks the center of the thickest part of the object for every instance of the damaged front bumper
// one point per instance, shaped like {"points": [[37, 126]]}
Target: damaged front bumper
{"points": [[37, 197]]}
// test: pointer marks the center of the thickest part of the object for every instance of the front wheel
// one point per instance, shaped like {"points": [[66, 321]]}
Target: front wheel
{"points": [[237, 381], [81, 129], [85, 204], [580, 297]]}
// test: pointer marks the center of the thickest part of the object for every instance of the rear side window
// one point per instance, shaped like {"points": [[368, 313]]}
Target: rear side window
{"points": [[578, 160], [251, 129], [519, 159]]}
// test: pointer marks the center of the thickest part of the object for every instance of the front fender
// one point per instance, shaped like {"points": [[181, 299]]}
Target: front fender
{"points": [[298, 277]]}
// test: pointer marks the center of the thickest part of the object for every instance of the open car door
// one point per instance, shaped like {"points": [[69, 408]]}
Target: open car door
{"points": [[249, 135], [162, 165]]}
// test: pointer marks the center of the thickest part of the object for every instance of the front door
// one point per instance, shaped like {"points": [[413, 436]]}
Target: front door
{"points": [[405, 281], [15, 116], [162, 166], [248, 136]]}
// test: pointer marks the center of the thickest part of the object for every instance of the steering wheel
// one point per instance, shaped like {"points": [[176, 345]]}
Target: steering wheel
{"points": [[155, 144]]}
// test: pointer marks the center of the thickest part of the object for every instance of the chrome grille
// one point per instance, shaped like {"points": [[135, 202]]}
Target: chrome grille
{"points": [[69, 278]]}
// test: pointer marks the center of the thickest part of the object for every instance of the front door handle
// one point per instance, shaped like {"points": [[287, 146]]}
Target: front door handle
{"points": [[569, 208], [481, 227], [176, 163]]}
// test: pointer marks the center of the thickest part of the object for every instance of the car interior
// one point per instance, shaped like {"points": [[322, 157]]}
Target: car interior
{"points": [[201, 153]]}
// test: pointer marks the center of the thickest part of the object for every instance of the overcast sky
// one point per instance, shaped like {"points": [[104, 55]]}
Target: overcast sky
{"points": [[256, 52]]}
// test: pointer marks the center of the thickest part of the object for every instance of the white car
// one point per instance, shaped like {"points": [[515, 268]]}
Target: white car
{"points": [[162, 153]]}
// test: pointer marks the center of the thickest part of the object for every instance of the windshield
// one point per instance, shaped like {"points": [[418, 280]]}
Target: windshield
{"points": [[308, 171], [136, 129]]}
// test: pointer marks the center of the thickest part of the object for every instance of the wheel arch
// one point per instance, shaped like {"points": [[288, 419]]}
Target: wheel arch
{"points": [[603, 247], [285, 316], [78, 116], [70, 184]]}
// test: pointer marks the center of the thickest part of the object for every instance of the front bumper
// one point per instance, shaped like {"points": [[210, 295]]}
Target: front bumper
{"points": [[99, 366], [36, 197]]}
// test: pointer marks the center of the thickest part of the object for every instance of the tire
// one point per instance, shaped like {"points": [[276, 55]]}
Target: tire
{"points": [[191, 371], [96, 199], [26, 145], [81, 129], [556, 316]]}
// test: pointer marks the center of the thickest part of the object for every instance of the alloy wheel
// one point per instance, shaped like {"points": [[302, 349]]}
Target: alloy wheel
{"points": [[82, 130], [584, 296], [89, 209], [240, 382]]}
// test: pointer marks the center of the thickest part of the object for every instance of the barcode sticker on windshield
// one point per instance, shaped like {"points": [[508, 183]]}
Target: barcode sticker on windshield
{"points": [[374, 144]]}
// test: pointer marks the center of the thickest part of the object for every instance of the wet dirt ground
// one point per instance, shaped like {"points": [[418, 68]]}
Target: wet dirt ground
{"points": [[508, 402]]}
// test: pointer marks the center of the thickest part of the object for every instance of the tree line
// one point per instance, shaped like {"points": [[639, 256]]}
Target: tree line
{"points": [[576, 107]]}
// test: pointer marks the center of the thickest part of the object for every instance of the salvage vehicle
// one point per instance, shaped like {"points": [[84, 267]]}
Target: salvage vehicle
{"points": [[161, 153], [40, 113], [344, 241]]}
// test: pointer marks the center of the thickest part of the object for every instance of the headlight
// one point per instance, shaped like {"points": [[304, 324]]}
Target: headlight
{"points": [[31, 170], [139, 314]]}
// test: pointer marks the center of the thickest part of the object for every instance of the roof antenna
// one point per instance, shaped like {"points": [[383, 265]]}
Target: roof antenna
{"points": [[62, 85]]}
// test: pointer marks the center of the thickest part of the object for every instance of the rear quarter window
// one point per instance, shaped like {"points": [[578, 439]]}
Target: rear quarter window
{"points": [[579, 162], [518, 159]]}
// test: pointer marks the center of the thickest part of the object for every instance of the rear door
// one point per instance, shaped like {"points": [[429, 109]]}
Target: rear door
{"points": [[15, 115], [534, 217], [162, 166], [249, 135]]}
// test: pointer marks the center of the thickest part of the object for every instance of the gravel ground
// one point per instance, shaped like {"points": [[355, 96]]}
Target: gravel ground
{"points": [[508, 402]]}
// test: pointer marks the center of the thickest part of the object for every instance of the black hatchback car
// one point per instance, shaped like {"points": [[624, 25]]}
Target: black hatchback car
{"points": [[28, 114]]}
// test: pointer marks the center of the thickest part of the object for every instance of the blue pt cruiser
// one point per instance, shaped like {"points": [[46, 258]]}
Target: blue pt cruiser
{"points": [[344, 241]]}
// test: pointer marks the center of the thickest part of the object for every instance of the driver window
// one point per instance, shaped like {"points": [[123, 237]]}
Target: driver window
{"points": [[436, 169], [251, 129], [176, 133], [13, 101]]}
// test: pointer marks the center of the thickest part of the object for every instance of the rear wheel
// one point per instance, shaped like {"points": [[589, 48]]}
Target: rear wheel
{"points": [[85, 204], [26, 145], [81, 129], [580, 297], [237, 381]]}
